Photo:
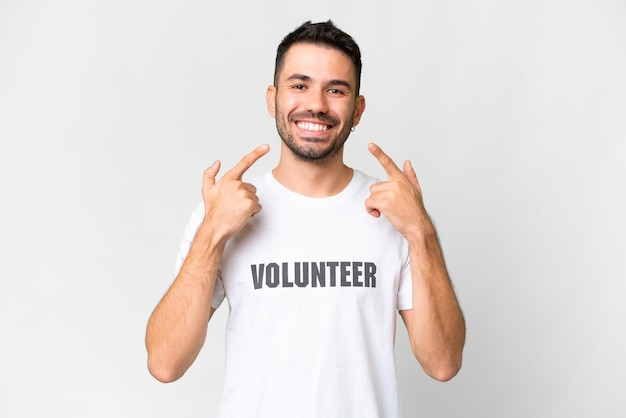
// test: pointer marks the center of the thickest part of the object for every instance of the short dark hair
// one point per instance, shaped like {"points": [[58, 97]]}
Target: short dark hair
{"points": [[324, 34]]}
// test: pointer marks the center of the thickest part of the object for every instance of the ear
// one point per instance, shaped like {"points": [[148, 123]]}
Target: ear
{"points": [[358, 110], [270, 98]]}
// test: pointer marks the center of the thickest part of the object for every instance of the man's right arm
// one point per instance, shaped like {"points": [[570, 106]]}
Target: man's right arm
{"points": [[177, 327]]}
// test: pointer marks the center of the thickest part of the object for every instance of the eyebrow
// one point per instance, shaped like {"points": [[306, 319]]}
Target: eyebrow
{"points": [[303, 77], [300, 77]]}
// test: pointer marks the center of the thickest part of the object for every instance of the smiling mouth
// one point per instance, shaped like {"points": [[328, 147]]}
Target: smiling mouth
{"points": [[311, 126]]}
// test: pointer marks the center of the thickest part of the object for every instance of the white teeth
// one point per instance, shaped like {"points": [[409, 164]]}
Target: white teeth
{"points": [[312, 126]]}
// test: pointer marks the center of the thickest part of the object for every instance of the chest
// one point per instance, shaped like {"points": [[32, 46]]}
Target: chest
{"points": [[302, 257]]}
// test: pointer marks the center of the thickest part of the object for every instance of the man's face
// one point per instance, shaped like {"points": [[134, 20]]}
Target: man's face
{"points": [[314, 101]]}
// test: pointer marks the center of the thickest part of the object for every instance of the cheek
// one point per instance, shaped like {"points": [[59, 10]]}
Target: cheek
{"points": [[347, 114], [292, 102], [289, 106]]}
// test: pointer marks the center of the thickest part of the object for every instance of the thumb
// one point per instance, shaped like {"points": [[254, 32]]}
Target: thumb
{"points": [[210, 174], [410, 173]]}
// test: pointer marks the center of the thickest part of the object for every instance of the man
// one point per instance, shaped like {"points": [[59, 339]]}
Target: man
{"points": [[314, 280]]}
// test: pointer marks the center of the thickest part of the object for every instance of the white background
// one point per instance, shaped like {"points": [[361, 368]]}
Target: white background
{"points": [[513, 113]]}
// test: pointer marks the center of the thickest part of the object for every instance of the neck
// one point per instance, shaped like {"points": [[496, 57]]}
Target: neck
{"points": [[312, 179]]}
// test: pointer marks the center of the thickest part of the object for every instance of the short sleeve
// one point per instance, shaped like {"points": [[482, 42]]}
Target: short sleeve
{"points": [[405, 288]]}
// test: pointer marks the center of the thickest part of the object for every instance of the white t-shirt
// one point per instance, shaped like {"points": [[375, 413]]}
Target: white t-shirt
{"points": [[313, 286]]}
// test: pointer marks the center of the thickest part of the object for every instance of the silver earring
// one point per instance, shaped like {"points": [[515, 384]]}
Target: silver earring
{"points": [[353, 129]]}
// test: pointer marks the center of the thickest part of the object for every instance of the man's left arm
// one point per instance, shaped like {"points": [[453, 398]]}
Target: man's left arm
{"points": [[435, 324]]}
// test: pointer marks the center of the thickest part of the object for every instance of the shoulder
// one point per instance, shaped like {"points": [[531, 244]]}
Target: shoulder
{"points": [[363, 180]]}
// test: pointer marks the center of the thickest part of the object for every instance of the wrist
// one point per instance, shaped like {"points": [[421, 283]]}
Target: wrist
{"points": [[210, 238], [421, 231]]}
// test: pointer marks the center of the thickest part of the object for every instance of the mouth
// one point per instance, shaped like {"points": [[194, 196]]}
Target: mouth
{"points": [[312, 123], [312, 126]]}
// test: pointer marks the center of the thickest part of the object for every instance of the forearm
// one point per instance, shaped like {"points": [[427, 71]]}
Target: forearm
{"points": [[436, 323], [177, 328]]}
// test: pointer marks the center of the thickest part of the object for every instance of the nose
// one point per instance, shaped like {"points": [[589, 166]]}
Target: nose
{"points": [[316, 101]]}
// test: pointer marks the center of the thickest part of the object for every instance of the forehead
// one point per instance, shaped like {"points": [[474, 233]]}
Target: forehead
{"points": [[319, 62]]}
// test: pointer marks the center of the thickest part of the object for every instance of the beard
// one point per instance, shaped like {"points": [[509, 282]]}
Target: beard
{"points": [[309, 149]]}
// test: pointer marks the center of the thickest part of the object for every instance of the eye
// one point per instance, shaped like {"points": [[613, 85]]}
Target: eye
{"points": [[335, 91], [299, 86]]}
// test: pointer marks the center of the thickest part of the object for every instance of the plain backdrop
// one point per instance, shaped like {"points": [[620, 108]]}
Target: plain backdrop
{"points": [[512, 112]]}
